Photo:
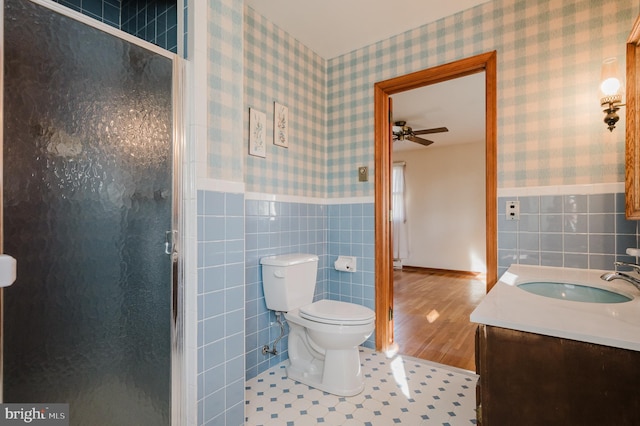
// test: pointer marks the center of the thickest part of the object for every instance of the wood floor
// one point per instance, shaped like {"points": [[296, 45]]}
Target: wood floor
{"points": [[431, 314]]}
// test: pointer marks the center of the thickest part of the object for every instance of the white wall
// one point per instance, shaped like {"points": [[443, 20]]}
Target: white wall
{"points": [[446, 206]]}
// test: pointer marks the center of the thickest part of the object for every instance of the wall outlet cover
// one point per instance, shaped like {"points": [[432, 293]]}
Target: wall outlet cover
{"points": [[513, 210]]}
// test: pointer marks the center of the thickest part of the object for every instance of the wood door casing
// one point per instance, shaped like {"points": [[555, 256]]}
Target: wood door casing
{"points": [[632, 131], [383, 233]]}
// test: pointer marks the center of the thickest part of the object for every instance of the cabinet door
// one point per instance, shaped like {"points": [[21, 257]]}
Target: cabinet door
{"points": [[531, 379], [479, 341]]}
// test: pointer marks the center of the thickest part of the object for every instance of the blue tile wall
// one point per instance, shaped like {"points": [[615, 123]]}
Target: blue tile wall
{"points": [[185, 22], [574, 231], [107, 11], [277, 228], [352, 233], [327, 231], [155, 21], [221, 308]]}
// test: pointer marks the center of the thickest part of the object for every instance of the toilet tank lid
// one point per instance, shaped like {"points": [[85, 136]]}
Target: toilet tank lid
{"points": [[288, 259]]}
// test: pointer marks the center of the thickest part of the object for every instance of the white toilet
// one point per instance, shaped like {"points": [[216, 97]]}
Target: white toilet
{"points": [[323, 336]]}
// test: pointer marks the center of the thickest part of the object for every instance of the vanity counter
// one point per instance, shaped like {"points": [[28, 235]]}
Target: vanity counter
{"points": [[609, 324]]}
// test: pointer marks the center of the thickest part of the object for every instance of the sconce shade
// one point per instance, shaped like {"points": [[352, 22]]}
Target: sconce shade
{"points": [[610, 82], [610, 92]]}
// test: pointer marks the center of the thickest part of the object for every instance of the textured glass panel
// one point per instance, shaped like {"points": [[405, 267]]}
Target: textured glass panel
{"points": [[87, 200]]}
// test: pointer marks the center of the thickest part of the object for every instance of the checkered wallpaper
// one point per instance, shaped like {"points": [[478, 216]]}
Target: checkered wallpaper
{"points": [[279, 68], [225, 90], [550, 129]]}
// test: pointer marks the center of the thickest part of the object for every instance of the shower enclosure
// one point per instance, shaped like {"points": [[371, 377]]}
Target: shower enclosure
{"points": [[89, 211]]}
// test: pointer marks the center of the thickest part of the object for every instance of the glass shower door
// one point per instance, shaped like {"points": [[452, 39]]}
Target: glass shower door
{"points": [[87, 199]]}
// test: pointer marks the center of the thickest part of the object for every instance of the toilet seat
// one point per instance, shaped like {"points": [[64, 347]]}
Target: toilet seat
{"points": [[335, 312]]}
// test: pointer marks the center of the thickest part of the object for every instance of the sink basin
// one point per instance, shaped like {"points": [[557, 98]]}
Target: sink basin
{"points": [[574, 292]]}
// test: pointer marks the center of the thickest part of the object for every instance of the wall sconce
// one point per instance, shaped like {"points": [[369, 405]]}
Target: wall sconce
{"points": [[610, 92]]}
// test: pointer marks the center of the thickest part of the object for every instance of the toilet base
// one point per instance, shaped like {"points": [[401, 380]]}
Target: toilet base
{"points": [[344, 378]]}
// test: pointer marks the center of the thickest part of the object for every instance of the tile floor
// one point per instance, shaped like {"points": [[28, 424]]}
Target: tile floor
{"points": [[398, 390]]}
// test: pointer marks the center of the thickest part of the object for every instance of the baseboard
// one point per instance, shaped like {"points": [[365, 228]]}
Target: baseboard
{"points": [[477, 275]]}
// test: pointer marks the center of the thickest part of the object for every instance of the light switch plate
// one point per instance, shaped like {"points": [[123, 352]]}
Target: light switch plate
{"points": [[363, 173]]}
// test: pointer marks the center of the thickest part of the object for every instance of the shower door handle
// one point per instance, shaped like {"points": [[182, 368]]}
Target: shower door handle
{"points": [[170, 243]]}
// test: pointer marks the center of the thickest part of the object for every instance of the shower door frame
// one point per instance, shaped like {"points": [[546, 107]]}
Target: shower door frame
{"points": [[178, 276]]}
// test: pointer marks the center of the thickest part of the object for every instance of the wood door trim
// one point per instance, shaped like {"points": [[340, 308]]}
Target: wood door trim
{"points": [[632, 162], [383, 242]]}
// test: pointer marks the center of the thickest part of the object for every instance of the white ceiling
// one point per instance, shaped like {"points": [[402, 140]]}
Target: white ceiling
{"points": [[334, 27], [458, 105]]}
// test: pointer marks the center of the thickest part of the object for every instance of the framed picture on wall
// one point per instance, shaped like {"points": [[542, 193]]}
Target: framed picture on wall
{"points": [[257, 131], [280, 125]]}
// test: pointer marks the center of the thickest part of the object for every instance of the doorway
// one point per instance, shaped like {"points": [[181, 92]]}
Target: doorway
{"points": [[90, 197], [383, 157]]}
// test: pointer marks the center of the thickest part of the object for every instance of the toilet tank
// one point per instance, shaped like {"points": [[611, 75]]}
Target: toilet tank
{"points": [[289, 280]]}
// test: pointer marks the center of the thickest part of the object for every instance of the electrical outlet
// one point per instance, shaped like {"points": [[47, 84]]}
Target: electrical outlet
{"points": [[363, 173], [513, 210]]}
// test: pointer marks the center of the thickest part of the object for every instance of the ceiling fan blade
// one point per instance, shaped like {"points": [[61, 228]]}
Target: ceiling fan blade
{"points": [[429, 131], [421, 141]]}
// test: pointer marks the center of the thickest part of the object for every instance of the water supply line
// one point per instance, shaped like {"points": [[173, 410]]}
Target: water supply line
{"points": [[274, 350]]}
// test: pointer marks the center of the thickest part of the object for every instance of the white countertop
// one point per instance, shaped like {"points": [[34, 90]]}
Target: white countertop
{"points": [[610, 324]]}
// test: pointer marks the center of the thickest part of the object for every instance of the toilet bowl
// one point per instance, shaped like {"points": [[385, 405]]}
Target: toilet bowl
{"points": [[323, 336], [323, 352]]}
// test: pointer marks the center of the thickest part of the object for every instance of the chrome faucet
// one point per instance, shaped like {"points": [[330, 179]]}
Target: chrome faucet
{"points": [[633, 266], [610, 276]]}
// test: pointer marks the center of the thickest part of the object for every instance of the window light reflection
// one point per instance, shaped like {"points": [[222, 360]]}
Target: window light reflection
{"points": [[477, 262], [509, 278], [392, 351], [400, 376]]}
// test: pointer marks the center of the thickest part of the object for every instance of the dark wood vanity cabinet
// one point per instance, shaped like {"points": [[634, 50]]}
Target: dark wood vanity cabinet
{"points": [[531, 379]]}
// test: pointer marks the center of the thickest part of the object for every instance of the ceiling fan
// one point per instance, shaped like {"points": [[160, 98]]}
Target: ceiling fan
{"points": [[403, 132]]}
